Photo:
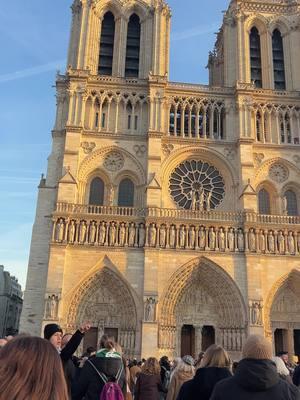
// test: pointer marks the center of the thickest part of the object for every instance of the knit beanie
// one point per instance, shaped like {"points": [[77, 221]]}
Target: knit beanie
{"points": [[188, 360], [51, 329], [258, 348]]}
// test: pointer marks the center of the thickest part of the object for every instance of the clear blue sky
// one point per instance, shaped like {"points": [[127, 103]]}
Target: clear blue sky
{"points": [[33, 40]]}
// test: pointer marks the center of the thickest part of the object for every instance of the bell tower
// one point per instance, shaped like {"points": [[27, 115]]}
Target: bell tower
{"points": [[125, 39]]}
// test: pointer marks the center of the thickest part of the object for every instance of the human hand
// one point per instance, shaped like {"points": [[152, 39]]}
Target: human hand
{"points": [[86, 326]]}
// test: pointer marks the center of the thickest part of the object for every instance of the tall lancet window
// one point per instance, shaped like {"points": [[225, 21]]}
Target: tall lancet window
{"points": [[133, 47], [107, 44], [278, 61], [255, 58]]}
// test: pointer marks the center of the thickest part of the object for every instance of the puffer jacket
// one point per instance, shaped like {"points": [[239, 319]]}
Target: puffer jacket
{"points": [[255, 380]]}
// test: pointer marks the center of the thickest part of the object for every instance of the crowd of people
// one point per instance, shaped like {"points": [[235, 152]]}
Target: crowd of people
{"points": [[33, 368]]}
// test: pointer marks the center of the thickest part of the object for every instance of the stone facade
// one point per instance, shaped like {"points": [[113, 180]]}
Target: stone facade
{"points": [[11, 300], [203, 244]]}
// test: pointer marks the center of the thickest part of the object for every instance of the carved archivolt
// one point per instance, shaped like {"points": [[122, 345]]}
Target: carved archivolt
{"points": [[221, 287], [290, 280], [263, 172], [92, 162], [101, 288]]}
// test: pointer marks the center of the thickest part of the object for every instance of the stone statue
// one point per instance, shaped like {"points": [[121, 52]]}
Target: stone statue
{"points": [[208, 201], [51, 307], [201, 200], [291, 243], [142, 235], [102, 233], [252, 240], [231, 239], [131, 237], [202, 238], [193, 198], [221, 239], [111, 195], [152, 235], [60, 230], [281, 244], [192, 237], [122, 234], [182, 236], [150, 309], [162, 236], [241, 240], [93, 230], [284, 205], [82, 232], [262, 242], [72, 230], [112, 234], [172, 237], [256, 313], [211, 239], [271, 242]]}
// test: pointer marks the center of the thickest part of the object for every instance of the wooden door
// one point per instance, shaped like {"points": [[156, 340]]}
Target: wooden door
{"points": [[90, 339], [111, 332], [187, 340]]}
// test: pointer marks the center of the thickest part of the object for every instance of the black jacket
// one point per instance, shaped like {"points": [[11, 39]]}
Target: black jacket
{"points": [[255, 380], [296, 376], [90, 385], [203, 383], [66, 356]]}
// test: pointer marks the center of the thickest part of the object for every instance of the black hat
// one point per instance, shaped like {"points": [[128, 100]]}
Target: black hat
{"points": [[51, 329]]}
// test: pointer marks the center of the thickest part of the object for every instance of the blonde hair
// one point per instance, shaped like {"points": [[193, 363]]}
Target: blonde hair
{"points": [[184, 367], [215, 356], [151, 367], [280, 366]]}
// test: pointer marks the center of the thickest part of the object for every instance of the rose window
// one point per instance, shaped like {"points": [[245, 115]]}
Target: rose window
{"points": [[197, 185]]}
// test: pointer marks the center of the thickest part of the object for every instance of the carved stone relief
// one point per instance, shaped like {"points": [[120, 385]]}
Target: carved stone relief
{"points": [[278, 173], [114, 161]]}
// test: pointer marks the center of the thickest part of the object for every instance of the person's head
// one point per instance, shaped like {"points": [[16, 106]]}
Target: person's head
{"points": [[65, 339], [53, 333], [108, 343], [30, 368], [2, 343], [215, 356], [151, 367], [176, 361], [186, 365], [257, 347], [280, 366], [284, 355], [164, 361], [90, 351], [103, 339]]}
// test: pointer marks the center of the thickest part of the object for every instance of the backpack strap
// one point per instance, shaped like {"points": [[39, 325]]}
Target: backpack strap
{"points": [[104, 377]]}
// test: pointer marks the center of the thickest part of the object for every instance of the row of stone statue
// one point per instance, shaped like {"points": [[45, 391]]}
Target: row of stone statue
{"points": [[121, 234]]}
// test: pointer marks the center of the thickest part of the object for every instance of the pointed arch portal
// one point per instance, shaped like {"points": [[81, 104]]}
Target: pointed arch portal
{"points": [[106, 301], [202, 299]]}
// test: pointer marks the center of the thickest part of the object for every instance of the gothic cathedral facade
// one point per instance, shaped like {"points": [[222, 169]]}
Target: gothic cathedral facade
{"points": [[169, 215]]}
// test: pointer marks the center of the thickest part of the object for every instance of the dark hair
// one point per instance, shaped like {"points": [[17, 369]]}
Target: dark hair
{"points": [[103, 339], [30, 368], [90, 350], [282, 353], [108, 343]]}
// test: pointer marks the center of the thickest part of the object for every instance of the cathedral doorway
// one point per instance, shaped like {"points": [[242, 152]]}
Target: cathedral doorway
{"points": [[208, 337], [188, 340], [202, 306], [285, 316], [90, 339], [106, 301]]}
